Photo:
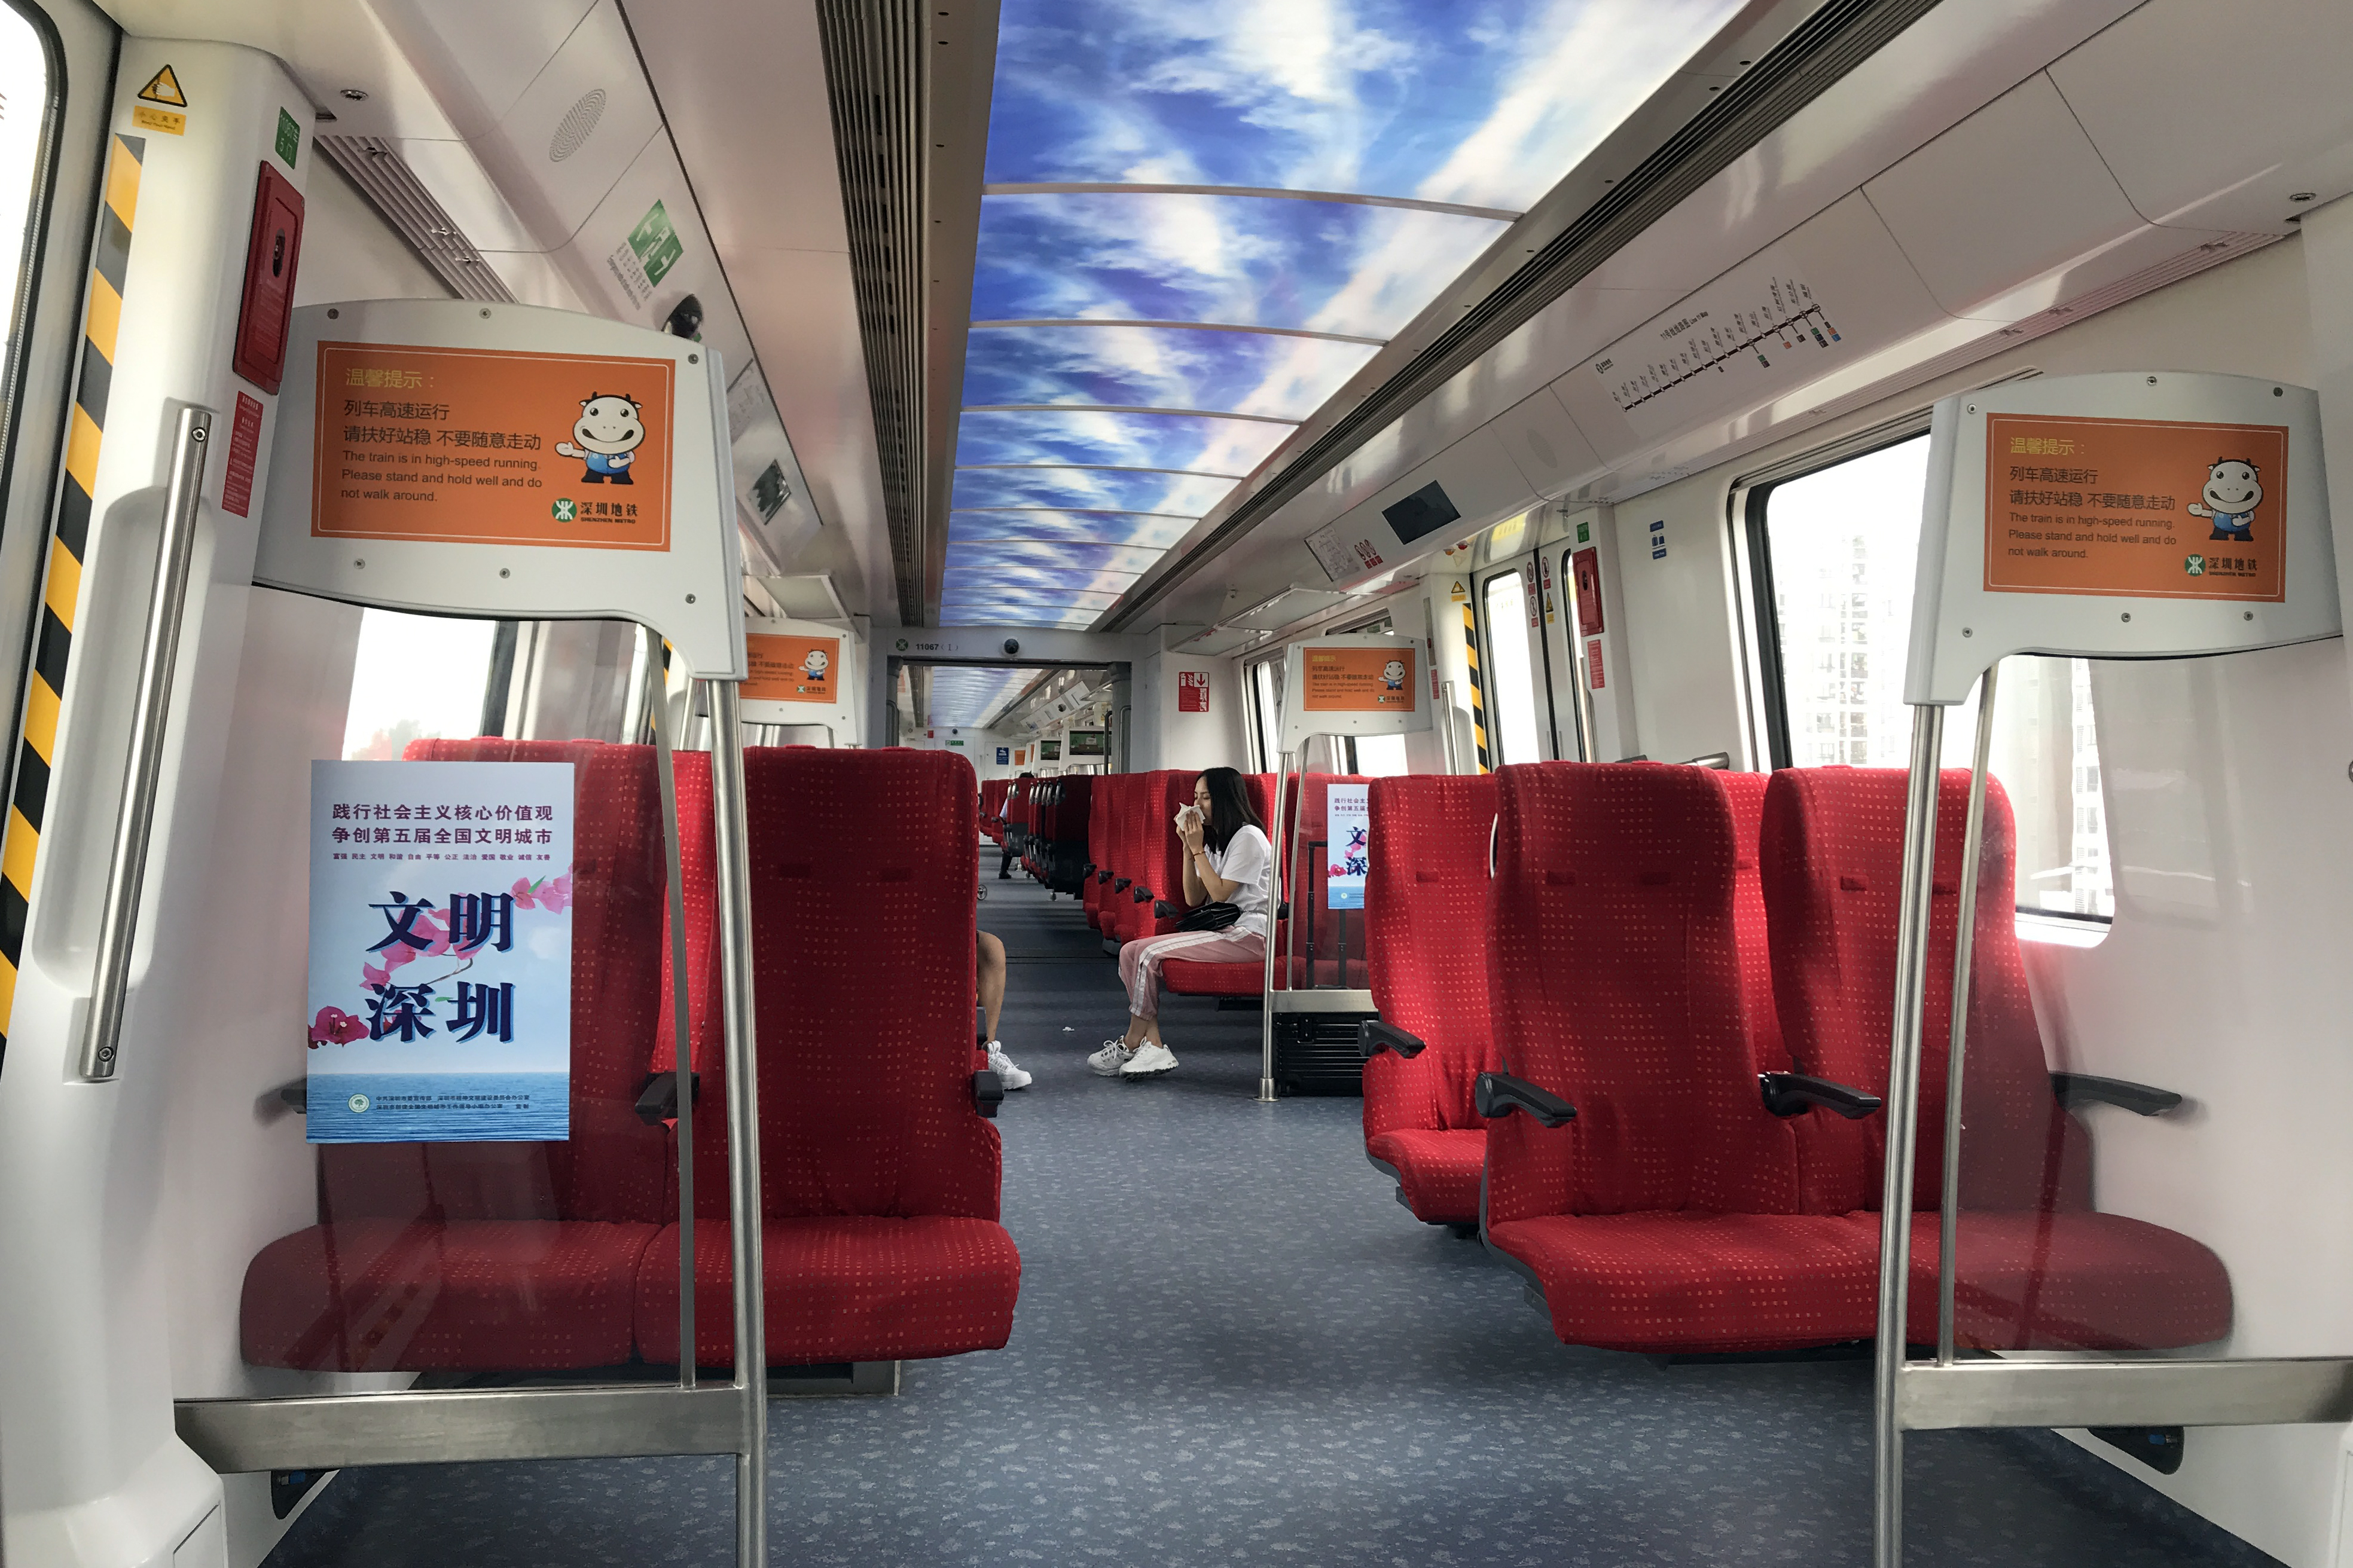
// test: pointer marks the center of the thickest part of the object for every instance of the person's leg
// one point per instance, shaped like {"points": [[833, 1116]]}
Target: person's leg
{"points": [[1139, 971], [1005, 861], [988, 973]]}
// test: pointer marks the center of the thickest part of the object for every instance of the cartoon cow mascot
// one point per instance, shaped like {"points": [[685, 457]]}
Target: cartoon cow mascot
{"points": [[1393, 674], [814, 665], [609, 430], [2232, 493]]}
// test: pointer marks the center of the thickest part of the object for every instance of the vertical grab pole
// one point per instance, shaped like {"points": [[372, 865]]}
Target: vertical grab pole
{"points": [[1903, 1117], [1948, 1219], [143, 769], [682, 1059], [1446, 726], [1266, 1095], [729, 817]]}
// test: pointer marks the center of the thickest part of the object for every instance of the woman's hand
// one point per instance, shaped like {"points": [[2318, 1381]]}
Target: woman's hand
{"points": [[1190, 832]]}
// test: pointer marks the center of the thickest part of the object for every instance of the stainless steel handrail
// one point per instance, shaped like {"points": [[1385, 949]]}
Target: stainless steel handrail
{"points": [[1266, 1094], [143, 769], [731, 821], [683, 1055], [1949, 1220]]}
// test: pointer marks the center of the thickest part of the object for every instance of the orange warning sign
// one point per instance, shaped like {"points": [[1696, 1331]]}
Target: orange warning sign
{"points": [[1356, 681], [791, 669], [2148, 508], [487, 446]]}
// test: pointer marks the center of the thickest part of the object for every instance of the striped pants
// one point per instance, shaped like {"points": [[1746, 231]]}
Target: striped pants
{"points": [[1139, 961]]}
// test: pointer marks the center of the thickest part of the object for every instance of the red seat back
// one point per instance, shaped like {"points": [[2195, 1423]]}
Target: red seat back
{"points": [[1833, 862], [863, 864], [1618, 980], [1426, 939]]}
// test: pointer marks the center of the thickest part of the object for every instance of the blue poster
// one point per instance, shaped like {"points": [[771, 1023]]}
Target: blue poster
{"points": [[440, 952], [1348, 842], [1004, 756]]}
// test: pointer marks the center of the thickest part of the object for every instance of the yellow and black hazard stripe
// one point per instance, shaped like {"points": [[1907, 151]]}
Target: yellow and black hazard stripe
{"points": [[69, 542], [1478, 688]]}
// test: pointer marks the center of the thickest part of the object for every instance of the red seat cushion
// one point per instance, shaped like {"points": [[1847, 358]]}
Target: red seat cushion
{"points": [[2075, 1281], [1195, 977], [1439, 1171], [384, 1295], [845, 1288], [1699, 1283]]}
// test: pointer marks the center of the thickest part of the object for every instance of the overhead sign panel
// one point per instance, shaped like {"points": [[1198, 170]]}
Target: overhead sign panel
{"points": [[453, 458], [802, 672], [480, 446], [2119, 516]]}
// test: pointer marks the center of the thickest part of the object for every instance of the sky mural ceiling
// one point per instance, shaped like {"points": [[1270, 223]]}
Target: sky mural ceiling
{"points": [[1276, 188]]}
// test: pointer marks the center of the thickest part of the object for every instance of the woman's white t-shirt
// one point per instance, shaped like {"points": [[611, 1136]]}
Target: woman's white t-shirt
{"points": [[1247, 859]]}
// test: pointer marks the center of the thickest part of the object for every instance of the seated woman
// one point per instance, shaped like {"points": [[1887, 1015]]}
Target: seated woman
{"points": [[1227, 860]]}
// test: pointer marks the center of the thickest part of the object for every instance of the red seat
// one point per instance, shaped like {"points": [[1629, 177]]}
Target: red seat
{"points": [[504, 1256], [1103, 816], [1427, 936], [1666, 1216], [1199, 977], [879, 1179], [2038, 1267]]}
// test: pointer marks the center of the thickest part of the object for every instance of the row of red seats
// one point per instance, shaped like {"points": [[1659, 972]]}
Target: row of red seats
{"points": [[1061, 811], [1689, 976], [992, 809], [880, 1178]]}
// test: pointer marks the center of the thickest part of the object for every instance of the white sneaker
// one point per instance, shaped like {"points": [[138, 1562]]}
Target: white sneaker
{"points": [[1150, 1061], [1011, 1077], [1111, 1059]]}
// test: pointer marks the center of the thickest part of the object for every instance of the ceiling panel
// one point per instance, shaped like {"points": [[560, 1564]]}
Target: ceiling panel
{"points": [[1232, 446], [1257, 261], [1182, 368], [1036, 555], [1092, 527], [1089, 489]]}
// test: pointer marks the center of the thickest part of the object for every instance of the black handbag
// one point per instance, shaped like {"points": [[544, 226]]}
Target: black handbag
{"points": [[1211, 917]]}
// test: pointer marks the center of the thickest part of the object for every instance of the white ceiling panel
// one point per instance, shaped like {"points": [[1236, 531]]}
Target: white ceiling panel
{"points": [[2011, 193], [2214, 115], [479, 58]]}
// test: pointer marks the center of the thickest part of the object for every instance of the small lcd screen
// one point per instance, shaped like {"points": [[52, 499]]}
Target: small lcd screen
{"points": [[1090, 742], [1426, 510], [1050, 751]]}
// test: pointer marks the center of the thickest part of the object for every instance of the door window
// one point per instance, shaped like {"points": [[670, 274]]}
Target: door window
{"points": [[1511, 675], [24, 114]]}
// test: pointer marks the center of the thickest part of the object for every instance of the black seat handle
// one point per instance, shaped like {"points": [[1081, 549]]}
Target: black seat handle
{"points": [[987, 1092], [2080, 1088], [658, 1101], [1373, 1037], [1498, 1094], [1794, 1093]]}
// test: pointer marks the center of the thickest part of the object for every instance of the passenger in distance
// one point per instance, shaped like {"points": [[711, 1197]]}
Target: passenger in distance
{"points": [[1012, 847], [988, 970], [1228, 866]]}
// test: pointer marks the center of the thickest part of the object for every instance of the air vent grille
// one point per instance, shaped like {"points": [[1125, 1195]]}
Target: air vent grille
{"points": [[874, 73], [579, 122], [377, 167], [1839, 36]]}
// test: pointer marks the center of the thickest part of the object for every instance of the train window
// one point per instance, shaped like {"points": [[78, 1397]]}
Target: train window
{"points": [[1836, 553], [1511, 679], [417, 676], [1265, 679], [24, 113]]}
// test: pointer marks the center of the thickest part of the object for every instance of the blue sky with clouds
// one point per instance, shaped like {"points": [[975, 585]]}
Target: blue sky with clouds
{"points": [[1483, 103]]}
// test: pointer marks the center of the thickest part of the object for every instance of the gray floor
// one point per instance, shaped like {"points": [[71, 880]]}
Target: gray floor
{"points": [[1233, 1347]]}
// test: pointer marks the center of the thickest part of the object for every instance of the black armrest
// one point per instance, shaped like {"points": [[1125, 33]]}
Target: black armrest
{"points": [[1087, 869], [1122, 884], [2080, 1088], [658, 1101], [1498, 1094], [296, 1096], [987, 1092], [1142, 895], [1373, 1037], [1103, 877], [1794, 1093]]}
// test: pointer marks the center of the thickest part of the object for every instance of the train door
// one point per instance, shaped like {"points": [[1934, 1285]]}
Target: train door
{"points": [[1515, 677]]}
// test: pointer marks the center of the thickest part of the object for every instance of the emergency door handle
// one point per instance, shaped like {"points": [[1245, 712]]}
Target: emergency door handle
{"points": [[151, 707]]}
